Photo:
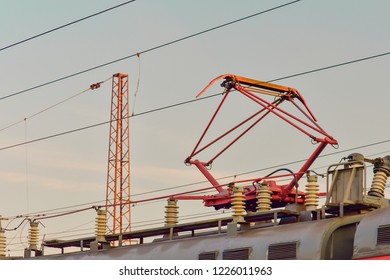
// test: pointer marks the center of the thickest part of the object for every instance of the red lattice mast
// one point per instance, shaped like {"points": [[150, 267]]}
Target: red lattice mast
{"points": [[118, 171]]}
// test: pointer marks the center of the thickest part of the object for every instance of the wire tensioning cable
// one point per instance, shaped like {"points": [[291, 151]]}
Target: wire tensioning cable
{"points": [[92, 87]]}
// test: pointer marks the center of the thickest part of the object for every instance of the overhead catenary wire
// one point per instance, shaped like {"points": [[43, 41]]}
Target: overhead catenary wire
{"points": [[186, 102], [331, 66], [320, 156], [92, 87], [64, 25], [149, 50], [101, 123], [146, 112]]}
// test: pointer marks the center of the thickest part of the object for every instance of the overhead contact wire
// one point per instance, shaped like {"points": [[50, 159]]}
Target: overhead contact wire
{"points": [[148, 50], [63, 26]]}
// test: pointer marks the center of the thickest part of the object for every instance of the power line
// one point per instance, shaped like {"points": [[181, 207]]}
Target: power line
{"points": [[92, 87], [182, 103], [331, 66], [320, 156], [191, 101], [55, 135], [102, 123], [63, 26], [147, 50]]}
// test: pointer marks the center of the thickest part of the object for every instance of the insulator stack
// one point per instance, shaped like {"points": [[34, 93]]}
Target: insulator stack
{"points": [[101, 225], [171, 213], [238, 204], [2, 244], [33, 236], [312, 190], [379, 183], [264, 197]]}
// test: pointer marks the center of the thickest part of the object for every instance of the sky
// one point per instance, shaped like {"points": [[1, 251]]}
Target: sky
{"points": [[69, 172]]}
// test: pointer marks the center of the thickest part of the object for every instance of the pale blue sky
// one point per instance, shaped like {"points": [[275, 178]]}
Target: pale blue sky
{"points": [[350, 102]]}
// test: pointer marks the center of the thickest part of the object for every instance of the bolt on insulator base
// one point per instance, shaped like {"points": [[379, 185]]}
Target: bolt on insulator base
{"points": [[264, 197], [171, 213], [33, 236], [312, 190], [238, 204], [101, 225]]}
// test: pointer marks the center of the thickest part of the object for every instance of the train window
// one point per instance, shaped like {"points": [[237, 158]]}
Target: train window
{"points": [[237, 254], [383, 234], [208, 255], [283, 251]]}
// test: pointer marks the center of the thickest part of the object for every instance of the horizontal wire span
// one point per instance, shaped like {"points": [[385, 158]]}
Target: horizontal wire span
{"points": [[148, 50], [63, 26]]}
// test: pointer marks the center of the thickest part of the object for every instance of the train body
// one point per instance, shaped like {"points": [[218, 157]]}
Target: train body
{"points": [[356, 236]]}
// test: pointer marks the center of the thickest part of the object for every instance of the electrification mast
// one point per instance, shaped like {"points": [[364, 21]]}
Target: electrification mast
{"points": [[118, 171]]}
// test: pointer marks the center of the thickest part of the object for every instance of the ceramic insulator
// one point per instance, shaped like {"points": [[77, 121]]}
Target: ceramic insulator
{"points": [[238, 204], [379, 183], [171, 213], [264, 197], [101, 225], [312, 189], [33, 236], [2, 244]]}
